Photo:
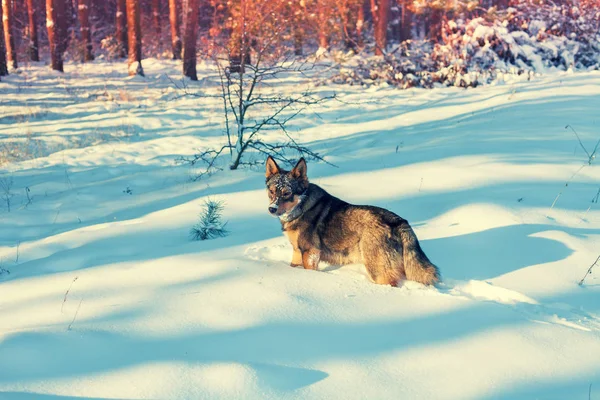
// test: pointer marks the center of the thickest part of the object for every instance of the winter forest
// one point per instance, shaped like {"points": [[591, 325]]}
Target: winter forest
{"points": [[299, 199], [461, 43]]}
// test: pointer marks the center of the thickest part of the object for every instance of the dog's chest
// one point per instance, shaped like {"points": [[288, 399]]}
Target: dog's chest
{"points": [[293, 236]]}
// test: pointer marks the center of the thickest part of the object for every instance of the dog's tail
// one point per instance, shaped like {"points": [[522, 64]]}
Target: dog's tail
{"points": [[416, 264]]}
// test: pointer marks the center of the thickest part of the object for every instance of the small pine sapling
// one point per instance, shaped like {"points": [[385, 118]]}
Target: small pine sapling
{"points": [[210, 225]]}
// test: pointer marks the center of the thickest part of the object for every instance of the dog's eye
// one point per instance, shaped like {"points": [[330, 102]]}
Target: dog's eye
{"points": [[286, 195]]}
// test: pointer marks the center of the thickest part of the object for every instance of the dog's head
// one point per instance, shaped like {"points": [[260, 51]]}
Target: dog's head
{"points": [[286, 189]]}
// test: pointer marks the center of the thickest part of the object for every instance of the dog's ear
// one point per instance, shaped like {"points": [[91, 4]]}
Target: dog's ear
{"points": [[299, 170], [272, 167]]}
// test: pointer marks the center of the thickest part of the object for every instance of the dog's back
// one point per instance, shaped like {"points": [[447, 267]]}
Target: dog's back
{"points": [[384, 242]]}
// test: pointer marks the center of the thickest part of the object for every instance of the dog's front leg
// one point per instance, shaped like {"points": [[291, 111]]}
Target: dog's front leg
{"points": [[311, 258], [296, 258]]}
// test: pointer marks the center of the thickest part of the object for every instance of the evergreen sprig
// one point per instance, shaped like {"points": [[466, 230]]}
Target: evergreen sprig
{"points": [[209, 225]]}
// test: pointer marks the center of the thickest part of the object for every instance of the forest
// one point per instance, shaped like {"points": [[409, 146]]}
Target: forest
{"points": [[415, 43]]}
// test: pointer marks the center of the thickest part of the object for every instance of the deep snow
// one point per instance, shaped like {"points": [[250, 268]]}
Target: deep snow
{"points": [[108, 298]]}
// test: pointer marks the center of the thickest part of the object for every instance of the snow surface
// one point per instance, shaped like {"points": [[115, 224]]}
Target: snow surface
{"points": [[108, 298]]}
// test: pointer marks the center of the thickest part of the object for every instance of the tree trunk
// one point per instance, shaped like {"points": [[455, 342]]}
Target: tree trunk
{"points": [[34, 54], [174, 20], [156, 18], [239, 49], [350, 18], [55, 13], [8, 21], [323, 27], [405, 22], [134, 34], [360, 23], [380, 12], [3, 64], [190, 23], [121, 24], [298, 40], [434, 27], [86, 33], [64, 22]]}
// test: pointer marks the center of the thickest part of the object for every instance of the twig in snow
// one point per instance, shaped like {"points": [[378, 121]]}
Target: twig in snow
{"points": [[566, 185], [67, 293], [589, 271], [75, 316], [594, 201], [56, 216], [68, 180], [2, 269], [6, 184], [27, 193], [590, 156]]}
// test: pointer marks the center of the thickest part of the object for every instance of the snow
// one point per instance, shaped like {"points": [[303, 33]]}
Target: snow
{"points": [[108, 298]]}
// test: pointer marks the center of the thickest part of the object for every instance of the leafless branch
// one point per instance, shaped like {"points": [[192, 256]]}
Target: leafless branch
{"points": [[184, 91], [590, 156], [67, 293], [278, 151], [589, 271], [208, 158]]}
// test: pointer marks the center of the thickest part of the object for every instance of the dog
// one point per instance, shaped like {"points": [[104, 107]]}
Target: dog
{"points": [[322, 227]]}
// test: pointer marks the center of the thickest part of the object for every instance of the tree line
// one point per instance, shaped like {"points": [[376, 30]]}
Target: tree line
{"points": [[235, 27]]}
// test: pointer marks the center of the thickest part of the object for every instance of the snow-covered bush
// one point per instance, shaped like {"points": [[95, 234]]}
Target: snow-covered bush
{"points": [[110, 47], [530, 37]]}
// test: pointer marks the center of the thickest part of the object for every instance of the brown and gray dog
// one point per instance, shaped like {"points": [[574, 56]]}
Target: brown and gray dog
{"points": [[323, 227]]}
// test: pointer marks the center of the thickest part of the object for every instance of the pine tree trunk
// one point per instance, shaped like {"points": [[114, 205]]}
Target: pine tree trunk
{"points": [[174, 20], [360, 23], [86, 34], [134, 34], [156, 18], [298, 40], [349, 21], [406, 22], [239, 49], [190, 23], [54, 13], [3, 64], [64, 22], [8, 21], [434, 27], [121, 23], [381, 17], [34, 54], [323, 27]]}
